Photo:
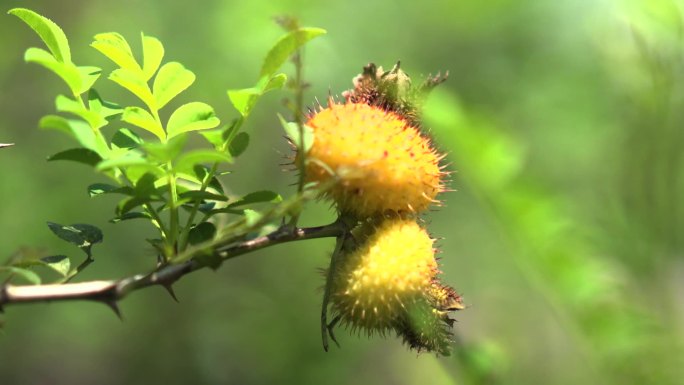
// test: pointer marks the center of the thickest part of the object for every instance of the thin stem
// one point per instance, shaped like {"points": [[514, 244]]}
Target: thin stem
{"points": [[299, 119], [112, 291], [183, 238], [86, 262], [173, 213]]}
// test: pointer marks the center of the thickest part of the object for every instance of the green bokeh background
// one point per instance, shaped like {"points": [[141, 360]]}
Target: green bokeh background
{"points": [[563, 121]]}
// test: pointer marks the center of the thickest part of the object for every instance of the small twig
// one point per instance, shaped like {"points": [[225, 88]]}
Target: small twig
{"points": [[86, 262], [112, 291]]}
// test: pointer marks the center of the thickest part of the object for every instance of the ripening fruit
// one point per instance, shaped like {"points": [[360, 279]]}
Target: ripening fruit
{"points": [[383, 163], [393, 268]]}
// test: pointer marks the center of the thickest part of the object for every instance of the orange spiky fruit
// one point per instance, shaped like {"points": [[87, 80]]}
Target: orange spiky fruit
{"points": [[382, 162]]}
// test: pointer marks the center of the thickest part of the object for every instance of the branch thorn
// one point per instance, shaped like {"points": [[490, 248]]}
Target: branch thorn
{"points": [[169, 289], [115, 308]]}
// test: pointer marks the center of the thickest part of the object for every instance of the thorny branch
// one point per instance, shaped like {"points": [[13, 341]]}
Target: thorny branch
{"points": [[112, 291]]}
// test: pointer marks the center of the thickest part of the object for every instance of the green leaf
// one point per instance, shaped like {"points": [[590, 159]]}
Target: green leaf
{"points": [[116, 48], [153, 52], [96, 189], [125, 138], [66, 71], [210, 260], [166, 151], [80, 234], [55, 122], [191, 117], [171, 80], [27, 274], [128, 204], [66, 104], [130, 160], [130, 215], [136, 84], [80, 155], [257, 197], [252, 217], [285, 47], [145, 186], [203, 232], [239, 144], [59, 263], [215, 137], [89, 76], [292, 131], [49, 32], [244, 99], [275, 83], [100, 188], [202, 195], [106, 110], [141, 118], [187, 161], [79, 129], [202, 172]]}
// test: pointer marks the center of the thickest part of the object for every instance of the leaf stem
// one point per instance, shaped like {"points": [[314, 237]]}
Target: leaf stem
{"points": [[183, 238]]}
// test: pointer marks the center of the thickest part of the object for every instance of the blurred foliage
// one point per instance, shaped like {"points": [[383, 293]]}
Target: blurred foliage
{"points": [[563, 121]]}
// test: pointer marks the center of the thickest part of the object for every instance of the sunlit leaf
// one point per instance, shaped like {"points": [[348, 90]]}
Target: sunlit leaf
{"points": [[187, 161], [51, 34], [116, 48], [89, 76], [172, 79], [136, 84], [252, 217], [275, 83], [215, 137], [66, 104], [80, 130], [141, 118], [292, 131], [66, 71], [244, 99], [191, 117], [166, 151], [285, 47], [59, 263], [153, 52], [129, 161], [26, 274], [105, 110]]}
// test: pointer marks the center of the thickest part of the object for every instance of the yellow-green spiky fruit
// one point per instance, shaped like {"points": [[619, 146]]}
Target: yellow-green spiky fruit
{"points": [[391, 269], [382, 162]]}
